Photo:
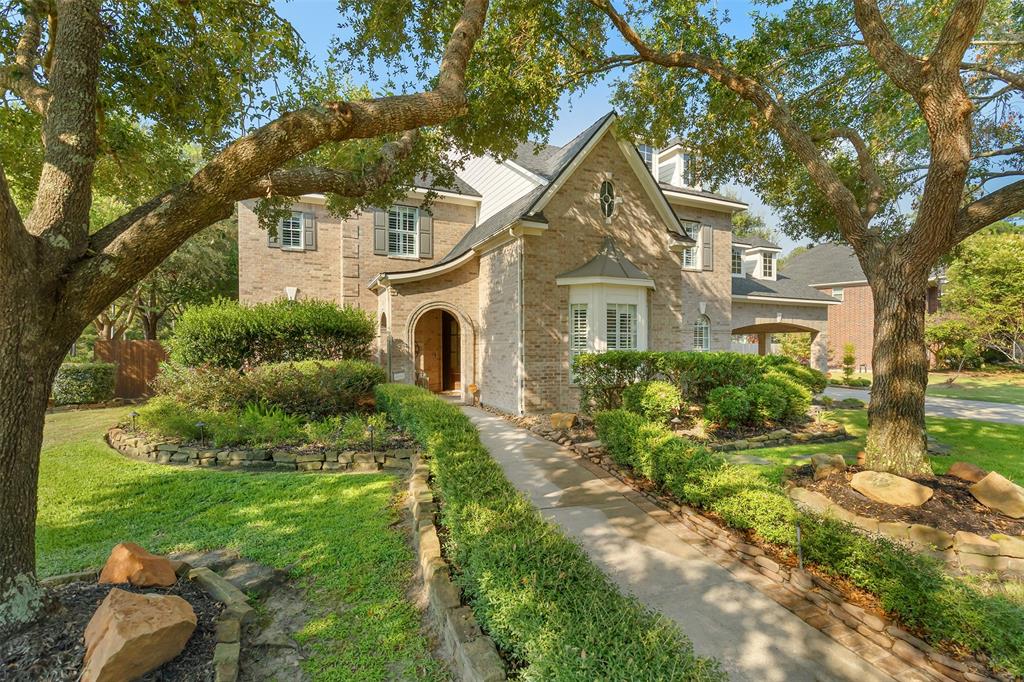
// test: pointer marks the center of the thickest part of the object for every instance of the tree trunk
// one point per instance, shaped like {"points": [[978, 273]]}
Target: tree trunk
{"points": [[896, 432], [28, 364]]}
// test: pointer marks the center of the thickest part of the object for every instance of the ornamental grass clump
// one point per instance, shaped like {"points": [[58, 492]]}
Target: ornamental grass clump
{"points": [[547, 607]]}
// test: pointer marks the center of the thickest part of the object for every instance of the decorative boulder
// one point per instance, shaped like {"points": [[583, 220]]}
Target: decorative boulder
{"points": [[1001, 494], [563, 420], [890, 489], [129, 563], [826, 465], [966, 471], [131, 634]]}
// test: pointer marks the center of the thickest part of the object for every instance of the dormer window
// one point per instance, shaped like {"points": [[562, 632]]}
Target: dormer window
{"points": [[647, 154], [737, 261], [688, 174], [768, 265]]}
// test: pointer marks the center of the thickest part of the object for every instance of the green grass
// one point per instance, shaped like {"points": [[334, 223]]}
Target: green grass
{"points": [[990, 445], [995, 387], [336, 534]]}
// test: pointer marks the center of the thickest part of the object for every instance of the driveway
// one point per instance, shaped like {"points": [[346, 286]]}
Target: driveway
{"points": [[954, 408], [754, 637]]}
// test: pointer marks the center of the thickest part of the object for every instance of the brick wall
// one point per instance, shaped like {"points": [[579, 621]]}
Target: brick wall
{"points": [[852, 322], [264, 272], [575, 233], [499, 327]]}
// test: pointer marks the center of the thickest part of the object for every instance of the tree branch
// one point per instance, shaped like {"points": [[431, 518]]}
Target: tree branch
{"points": [[868, 169], [18, 77], [60, 215], [1005, 75], [956, 34], [902, 67], [12, 231], [997, 205], [309, 179], [128, 248], [775, 112]]}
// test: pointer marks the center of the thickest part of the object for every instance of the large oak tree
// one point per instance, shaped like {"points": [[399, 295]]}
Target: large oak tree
{"points": [[895, 127], [101, 100]]}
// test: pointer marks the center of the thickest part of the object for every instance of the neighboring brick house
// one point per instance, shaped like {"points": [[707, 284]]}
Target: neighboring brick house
{"points": [[525, 262], [833, 269]]}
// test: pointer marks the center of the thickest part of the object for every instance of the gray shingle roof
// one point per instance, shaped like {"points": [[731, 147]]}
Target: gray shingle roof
{"points": [[825, 263], [783, 287], [609, 262], [428, 181], [497, 222], [699, 193], [754, 242], [549, 161]]}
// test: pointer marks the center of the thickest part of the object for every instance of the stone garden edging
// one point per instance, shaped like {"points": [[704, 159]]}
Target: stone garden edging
{"points": [[472, 654], [169, 451], [781, 437], [236, 614], [963, 551], [810, 597]]}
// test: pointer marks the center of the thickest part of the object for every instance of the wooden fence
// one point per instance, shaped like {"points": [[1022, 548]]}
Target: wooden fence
{"points": [[137, 363]]}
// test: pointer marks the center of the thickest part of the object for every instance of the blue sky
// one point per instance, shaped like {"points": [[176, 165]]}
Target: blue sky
{"points": [[317, 21]]}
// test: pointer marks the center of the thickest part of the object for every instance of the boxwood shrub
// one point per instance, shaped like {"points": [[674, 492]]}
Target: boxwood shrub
{"points": [[535, 592], [654, 400], [229, 334], [603, 377], [944, 609], [728, 406], [80, 383]]}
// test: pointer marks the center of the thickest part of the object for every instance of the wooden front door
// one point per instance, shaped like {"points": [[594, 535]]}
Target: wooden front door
{"points": [[451, 353]]}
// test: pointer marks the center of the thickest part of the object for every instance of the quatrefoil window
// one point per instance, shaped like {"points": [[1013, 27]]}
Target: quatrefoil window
{"points": [[607, 197]]}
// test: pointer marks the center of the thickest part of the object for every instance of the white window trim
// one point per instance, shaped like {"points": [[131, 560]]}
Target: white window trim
{"points": [[415, 255], [597, 297], [693, 334], [771, 257], [732, 258], [302, 232]]}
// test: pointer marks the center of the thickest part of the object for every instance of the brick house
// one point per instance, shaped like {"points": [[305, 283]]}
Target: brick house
{"points": [[833, 269], [525, 262]]}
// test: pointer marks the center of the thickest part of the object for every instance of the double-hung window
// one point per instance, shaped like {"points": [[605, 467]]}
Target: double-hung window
{"points": [[689, 171], [737, 261], [767, 265], [579, 332], [621, 326], [402, 227], [691, 255], [290, 231]]}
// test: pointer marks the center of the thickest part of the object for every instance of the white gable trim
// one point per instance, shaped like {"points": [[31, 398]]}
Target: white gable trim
{"points": [[618, 281], [779, 299]]}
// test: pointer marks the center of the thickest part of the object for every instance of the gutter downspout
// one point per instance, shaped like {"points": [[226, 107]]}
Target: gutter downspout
{"points": [[520, 360]]}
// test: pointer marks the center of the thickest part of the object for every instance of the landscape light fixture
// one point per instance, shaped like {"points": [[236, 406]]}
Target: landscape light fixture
{"points": [[202, 433], [134, 415]]}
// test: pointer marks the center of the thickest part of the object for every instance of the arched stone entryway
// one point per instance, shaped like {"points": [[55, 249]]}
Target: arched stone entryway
{"points": [[442, 349]]}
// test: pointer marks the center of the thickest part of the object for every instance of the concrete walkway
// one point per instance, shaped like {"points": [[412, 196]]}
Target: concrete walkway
{"points": [[954, 408], [753, 636]]}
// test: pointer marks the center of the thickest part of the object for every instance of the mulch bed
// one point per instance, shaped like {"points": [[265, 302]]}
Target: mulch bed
{"points": [[951, 508], [52, 649]]}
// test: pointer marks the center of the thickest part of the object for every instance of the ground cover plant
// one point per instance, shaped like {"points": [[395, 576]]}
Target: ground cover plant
{"points": [[942, 609], [337, 535], [548, 608]]}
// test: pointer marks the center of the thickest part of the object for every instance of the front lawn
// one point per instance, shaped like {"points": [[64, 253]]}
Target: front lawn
{"points": [[337, 535], [995, 387], [990, 445]]}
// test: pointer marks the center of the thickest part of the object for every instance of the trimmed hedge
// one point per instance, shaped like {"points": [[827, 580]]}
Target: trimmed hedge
{"points": [[80, 383], [728, 406], [654, 400], [312, 389], [602, 377], [945, 609], [229, 334], [534, 591]]}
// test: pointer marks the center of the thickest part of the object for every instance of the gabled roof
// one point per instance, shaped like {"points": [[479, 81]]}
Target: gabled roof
{"points": [[609, 263], [667, 187], [427, 181], [825, 264], [517, 210], [549, 161], [754, 242], [783, 287]]}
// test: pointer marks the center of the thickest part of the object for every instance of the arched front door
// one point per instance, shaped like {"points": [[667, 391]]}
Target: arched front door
{"points": [[438, 339]]}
